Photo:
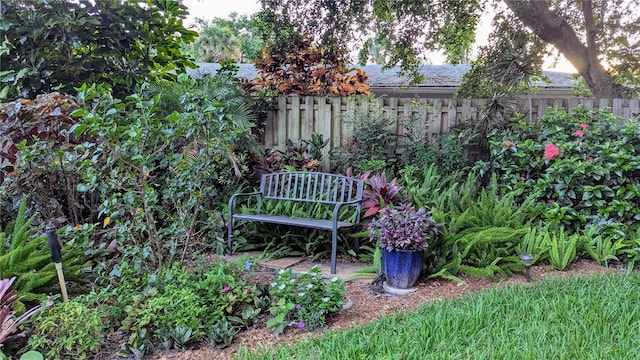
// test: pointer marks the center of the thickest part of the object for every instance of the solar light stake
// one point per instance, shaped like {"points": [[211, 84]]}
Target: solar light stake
{"points": [[526, 259], [56, 256]]}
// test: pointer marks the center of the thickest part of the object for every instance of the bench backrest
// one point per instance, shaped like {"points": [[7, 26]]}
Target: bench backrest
{"points": [[311, 186]]}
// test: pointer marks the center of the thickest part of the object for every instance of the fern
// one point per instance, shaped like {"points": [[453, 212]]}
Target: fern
{"points": [[26, 256], [487, 272], [486, 225]]}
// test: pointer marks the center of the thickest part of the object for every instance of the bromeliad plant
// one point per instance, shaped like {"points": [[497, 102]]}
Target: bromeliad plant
{"points": [[8, 322], [380, 193], [403, 228]]}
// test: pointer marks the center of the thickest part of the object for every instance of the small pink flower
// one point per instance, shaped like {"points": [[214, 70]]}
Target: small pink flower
{"points": [[551, 151], [579, 133], [298, 307], [300, 325], [509, 143], [49, 303], [522, 178], [551, 201], [583, 126], [589, 158], [226, 288]]}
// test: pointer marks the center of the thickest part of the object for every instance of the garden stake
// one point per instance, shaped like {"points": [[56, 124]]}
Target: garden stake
{"points": [[56, 256]]}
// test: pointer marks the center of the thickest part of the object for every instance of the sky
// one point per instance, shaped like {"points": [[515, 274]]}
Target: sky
{"points": [[208, 9]]}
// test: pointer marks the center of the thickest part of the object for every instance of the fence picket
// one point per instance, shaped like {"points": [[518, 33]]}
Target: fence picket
{"points": [[298, 118]]}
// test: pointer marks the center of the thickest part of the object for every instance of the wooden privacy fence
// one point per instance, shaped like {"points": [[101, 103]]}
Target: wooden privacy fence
{"points": [[297, 117]]}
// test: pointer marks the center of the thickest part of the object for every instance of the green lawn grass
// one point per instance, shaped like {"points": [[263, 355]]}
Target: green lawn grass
{"points": [[573, 318]]}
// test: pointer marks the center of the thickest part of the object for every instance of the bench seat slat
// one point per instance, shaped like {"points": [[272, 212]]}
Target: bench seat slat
{"points": [[294, 221]]}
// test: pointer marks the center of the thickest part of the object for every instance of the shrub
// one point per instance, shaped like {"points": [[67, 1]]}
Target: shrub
{"points": [[42, 174], [160, 178], [372, 144], [119, 43], [305, 70], [585, 166]]}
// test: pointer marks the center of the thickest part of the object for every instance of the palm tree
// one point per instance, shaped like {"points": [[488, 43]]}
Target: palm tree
{"points": [[216, 42]]}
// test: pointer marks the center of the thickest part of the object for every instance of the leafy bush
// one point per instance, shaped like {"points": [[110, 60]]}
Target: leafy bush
{"points": [[305, 300], [586, 166], [372, 143], [119, 43], [305, 70], [444, 151], [43, 124], [482, 230], [306, 155], [158, 178], [72, 329]]}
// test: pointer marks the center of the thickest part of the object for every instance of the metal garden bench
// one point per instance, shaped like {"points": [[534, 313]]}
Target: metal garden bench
{"points": [[312, 187]]}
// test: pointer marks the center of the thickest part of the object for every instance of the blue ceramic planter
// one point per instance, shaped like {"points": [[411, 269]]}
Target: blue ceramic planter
{"points": [[402, 268]]}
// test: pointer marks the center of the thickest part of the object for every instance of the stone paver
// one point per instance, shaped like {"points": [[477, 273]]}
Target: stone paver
{"points": [[299, 264]]}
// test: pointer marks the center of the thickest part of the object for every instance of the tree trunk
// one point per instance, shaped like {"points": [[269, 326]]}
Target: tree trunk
{"points": [[550, 27]]}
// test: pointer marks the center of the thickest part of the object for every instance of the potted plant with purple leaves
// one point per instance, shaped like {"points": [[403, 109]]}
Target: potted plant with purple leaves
{"points": [[403, 233]]}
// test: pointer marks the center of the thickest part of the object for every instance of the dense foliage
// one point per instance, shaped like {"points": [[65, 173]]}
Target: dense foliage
{"points": [[403, 228], [49, 45], [142, 180], [175, 307], [306, 70], [24, 257], [584, 165], [159, 168], [46, 121]]}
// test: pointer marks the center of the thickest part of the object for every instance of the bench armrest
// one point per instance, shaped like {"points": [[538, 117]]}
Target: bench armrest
{"points": [[233, 198], [336, 209]]}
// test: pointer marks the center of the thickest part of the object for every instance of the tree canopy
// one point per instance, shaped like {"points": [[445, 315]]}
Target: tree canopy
{"points": [[58, 44], [599, 37]]}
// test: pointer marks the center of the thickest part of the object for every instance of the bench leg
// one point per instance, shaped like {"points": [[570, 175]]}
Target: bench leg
{"points": [[356, 247], [334, 249], [229, 232]]}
